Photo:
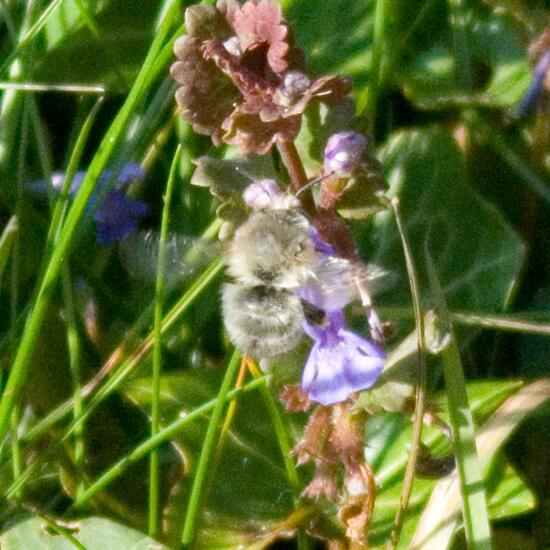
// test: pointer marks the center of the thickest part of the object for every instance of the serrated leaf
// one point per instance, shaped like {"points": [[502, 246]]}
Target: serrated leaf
{"points": [[477, 254], [93, 533]]}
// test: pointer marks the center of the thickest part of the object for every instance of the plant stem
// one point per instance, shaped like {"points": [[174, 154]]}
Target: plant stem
{"points": [[420, 380], [154, 466], [474, 501]]}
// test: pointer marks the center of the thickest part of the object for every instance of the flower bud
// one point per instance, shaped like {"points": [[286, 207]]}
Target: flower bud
{"points": [[343, 152], [261, 194]]}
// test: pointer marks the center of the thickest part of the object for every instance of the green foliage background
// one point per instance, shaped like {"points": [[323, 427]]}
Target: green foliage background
{"points": [[85, 84]]}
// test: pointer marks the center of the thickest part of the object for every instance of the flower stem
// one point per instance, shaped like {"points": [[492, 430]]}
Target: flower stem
{"points": [[296, 172], [420, 380], [154, 463]]}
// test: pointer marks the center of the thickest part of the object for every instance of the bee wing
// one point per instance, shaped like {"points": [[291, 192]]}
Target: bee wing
{"points": [[337, 282]]}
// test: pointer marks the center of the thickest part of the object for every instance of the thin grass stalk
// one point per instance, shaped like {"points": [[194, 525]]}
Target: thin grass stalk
{"points": [[474, 501], [73, 346], [170, 431], [7, 240], [420, 398], [33, 325], [459, 20], [208, 448], [62, 202], [517, 322], [139, 355], [283, 439], [154, 465], [31, 33]]}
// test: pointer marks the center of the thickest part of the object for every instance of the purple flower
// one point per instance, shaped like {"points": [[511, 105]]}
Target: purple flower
{"points": [[533, 94], [117, 215], [343, 153], [340, 362]]}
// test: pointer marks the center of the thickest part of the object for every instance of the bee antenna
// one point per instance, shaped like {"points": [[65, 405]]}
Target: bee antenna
{"points": [[312, 183]]}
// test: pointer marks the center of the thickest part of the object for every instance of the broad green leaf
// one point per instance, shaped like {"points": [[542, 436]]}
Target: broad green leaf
{"points": [[477, 254], [92, 533], [494, 46], [249, 492]]}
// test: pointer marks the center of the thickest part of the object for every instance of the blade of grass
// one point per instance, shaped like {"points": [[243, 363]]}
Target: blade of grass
{"points": [[154, 466], [139, 355], [7, 240], [73, 346], [33, 324], [170, 431], [62, 202], [459, 20], [208, 447], [283, 439], [375, 69], [31, 33], [44, 87], [474, 501], [420, 398], [517, 322]]}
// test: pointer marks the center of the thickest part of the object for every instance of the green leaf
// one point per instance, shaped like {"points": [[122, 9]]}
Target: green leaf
{"points": [[249, 493], [477, 254], [388, 436], [495, 48], [93, 533], [102, 46]]}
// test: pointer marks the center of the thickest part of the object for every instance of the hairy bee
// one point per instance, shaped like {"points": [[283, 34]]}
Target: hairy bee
{"points": [[279, 274]]}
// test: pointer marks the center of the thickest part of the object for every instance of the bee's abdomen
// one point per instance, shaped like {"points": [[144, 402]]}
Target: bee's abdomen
{"points": [[262, 321]]}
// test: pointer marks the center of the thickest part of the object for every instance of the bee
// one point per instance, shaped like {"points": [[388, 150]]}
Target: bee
{"points": [[279, 274]]}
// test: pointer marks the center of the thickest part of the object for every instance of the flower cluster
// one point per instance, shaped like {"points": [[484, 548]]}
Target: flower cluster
{"points": [[242, 80]]}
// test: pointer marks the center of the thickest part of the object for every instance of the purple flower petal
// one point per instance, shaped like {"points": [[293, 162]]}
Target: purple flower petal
{"points": [[118, 217], [262, 194], [529, 101], [343, 152], [340, 362]]}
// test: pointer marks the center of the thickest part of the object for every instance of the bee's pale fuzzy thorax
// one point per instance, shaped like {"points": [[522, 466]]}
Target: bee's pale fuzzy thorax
{"points": [[273, 247]]}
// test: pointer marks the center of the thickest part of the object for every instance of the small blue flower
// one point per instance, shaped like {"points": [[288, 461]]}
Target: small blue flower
{"points": [[118, 215], [339, 363], [533, 94]]}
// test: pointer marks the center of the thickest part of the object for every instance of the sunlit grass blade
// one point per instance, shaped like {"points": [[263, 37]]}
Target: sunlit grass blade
{"points": [[151, 443], [7, 239], [34, 321], [474, 501], [375, 69], [62, 202], [154, 475], [207, 450]]}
